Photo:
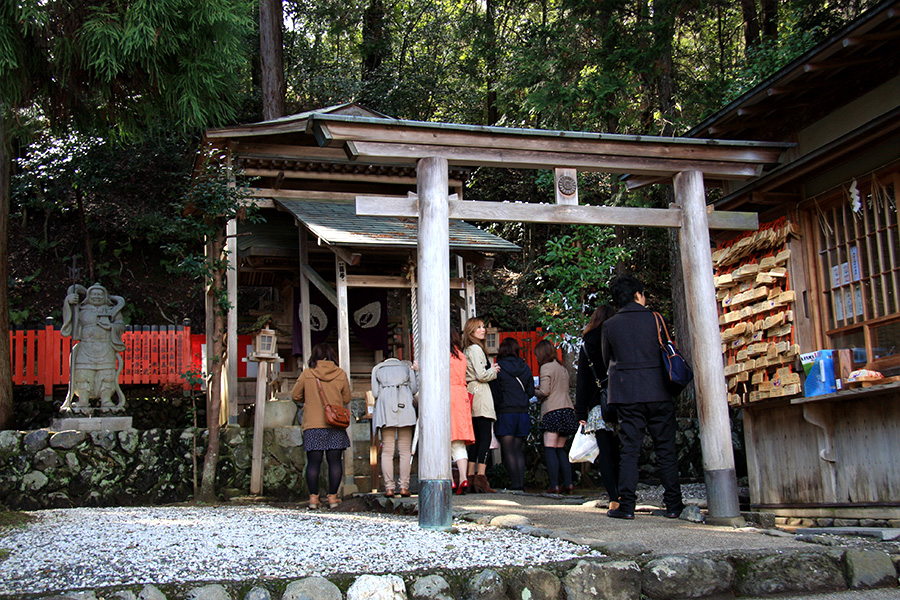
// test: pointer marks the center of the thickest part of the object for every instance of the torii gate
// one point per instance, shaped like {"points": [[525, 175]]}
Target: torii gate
{"points": [[436, 146]]}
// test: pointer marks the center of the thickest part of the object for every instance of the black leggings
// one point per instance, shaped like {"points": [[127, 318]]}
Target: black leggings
{"points": [[335, 470], [478, 451], [514, 459]]}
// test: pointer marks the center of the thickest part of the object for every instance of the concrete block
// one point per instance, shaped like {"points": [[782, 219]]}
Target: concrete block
{"points": [[91, 424]]}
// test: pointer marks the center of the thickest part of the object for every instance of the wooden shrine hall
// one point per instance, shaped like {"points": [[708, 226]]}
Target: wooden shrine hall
{"points": [[414, 171]]}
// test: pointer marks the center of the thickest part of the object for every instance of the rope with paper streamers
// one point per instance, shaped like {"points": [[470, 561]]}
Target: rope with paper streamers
{"points": [[414, 309]]}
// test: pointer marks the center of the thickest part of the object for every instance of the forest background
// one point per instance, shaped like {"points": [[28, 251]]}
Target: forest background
{"points": [[102, 107]]}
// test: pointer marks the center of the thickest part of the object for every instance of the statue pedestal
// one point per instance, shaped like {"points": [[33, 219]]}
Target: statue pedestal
{"points": [[91, 424]]}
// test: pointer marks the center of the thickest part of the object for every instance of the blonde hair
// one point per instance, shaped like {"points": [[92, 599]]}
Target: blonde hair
{"points": [[468, 336]]}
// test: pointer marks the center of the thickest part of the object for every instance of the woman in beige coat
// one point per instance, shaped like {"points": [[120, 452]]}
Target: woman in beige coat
{"points": [[323, 378], [557, 416], [479, 371]]}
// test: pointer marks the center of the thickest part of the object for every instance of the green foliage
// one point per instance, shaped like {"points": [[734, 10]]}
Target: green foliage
{"points": [[124, 66], [577, 267], [212, 198], [767, 58]]}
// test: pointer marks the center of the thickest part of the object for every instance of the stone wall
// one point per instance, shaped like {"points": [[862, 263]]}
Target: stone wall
{"points": [[44, 469], [738, 574]]}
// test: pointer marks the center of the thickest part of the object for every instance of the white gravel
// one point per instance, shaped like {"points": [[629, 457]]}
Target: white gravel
{"points": [[69, 549]]}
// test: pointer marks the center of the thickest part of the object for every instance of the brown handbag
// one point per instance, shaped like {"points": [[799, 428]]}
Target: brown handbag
{"points": [[335, 416]]}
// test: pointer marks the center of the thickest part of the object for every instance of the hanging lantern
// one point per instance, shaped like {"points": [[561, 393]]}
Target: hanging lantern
{"points": [[264, 344]]}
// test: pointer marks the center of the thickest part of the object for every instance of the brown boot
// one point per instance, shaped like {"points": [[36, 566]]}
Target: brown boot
{"points": [[481, 485], [470, 481], [333, 501]]}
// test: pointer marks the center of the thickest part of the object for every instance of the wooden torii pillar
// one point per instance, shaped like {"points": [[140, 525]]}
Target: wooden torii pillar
{"points": [[433, 209]]}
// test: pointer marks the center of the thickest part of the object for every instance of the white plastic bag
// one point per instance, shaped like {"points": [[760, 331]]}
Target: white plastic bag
{"points": [[584, 447]]}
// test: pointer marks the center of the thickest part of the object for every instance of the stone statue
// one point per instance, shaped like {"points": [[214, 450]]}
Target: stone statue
{"points": [[93, 318]]}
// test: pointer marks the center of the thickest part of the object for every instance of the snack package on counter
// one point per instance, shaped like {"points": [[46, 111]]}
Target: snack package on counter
{"points": [[864, 374]]}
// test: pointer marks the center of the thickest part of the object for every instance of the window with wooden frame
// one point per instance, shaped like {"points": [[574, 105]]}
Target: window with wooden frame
{"points": [[858, 244]]}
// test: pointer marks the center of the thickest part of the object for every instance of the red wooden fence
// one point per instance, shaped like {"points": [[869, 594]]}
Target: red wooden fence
{"points": [[153, 355], [527, 341]]}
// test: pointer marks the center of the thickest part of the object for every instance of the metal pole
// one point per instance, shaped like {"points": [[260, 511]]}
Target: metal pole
{"points": [[709, 370], [435, 511]]}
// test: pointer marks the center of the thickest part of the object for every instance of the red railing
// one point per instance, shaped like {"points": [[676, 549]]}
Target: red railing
{"points": [[153, 355], [527, 341]]}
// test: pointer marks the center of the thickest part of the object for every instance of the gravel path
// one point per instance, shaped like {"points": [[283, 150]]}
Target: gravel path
{"points": [[67, 549]]}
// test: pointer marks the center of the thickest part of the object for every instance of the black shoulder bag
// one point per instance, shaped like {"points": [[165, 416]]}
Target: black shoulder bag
{"points": [[610, 415]]}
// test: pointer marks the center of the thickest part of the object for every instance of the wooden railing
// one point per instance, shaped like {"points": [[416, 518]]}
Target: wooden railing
{"points": [[153, 355], [527, 341]]}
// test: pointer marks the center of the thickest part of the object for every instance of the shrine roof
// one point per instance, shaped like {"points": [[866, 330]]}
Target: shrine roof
{"points": [[336, 223]]}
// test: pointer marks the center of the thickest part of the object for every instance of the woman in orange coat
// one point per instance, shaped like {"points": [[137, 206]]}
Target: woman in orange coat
{"points": [[461, 432]]}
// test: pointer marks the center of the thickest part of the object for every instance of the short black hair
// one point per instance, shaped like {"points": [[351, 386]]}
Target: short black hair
{"points": [[508, 347], [623, 290]]}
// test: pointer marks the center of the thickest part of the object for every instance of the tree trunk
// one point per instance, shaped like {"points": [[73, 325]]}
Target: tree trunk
{"points": [[6, 389], [751, 23], [769, 19], [491, 79], [88, 253], [213, 410], [376, 43], [664, 31], [271, 53], [215, 361]]}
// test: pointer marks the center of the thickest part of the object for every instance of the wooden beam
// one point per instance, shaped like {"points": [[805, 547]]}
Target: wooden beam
{"points": [[553, 213], [332, 131], [882, 36], [265, 195], [389, 281], [831, 66], [732, 220], [528, 159], [328, 176], [477, 258], [349, 257], [320, 283]]}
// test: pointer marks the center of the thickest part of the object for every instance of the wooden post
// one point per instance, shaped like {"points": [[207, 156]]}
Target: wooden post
{"points": [[470, 294], [259, 418], [709, 370], [343, 316], [230, 389], [461, 273], [305, 335], [435, 511]]}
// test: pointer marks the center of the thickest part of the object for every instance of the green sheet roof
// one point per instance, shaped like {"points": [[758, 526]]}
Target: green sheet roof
{"points": [[336, 223]]}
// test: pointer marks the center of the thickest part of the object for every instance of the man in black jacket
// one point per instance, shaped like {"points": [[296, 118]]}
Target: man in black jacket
{"points": [[637, 388]]}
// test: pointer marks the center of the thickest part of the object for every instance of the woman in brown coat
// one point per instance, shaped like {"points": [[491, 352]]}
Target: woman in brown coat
{"points": [[325, 379]]}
